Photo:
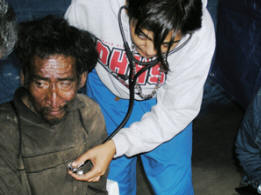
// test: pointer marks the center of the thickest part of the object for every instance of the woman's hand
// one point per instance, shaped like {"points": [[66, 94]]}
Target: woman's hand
{"points": [[100, 156]]}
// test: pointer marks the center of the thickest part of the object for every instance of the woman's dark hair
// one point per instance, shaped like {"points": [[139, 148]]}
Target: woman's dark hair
{"points": [[53, 35], [164, 16]]}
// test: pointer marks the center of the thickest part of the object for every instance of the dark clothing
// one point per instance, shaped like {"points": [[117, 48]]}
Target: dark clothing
{"points": [[46, 149], [238, 52], [248, 142]]}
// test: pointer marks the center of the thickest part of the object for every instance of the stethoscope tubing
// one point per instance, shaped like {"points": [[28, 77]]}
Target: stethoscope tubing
{"points": [[133, 76]]}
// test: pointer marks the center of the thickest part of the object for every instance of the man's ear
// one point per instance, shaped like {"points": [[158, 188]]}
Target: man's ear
{"points": [[83, 78]]}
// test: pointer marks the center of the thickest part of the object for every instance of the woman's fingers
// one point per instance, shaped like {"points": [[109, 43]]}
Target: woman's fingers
{"points": [[100, 156]]}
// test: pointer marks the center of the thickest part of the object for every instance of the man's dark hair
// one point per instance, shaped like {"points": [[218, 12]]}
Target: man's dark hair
{"points": [[8, 31], [164, 16], [52, 35]]}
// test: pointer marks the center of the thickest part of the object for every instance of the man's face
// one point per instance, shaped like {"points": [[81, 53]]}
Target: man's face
{"points": [[144, 41], [52, 86]]}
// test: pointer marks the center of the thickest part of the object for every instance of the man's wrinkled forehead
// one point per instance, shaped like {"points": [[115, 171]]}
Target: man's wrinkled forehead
{"points": [[54, 63]]}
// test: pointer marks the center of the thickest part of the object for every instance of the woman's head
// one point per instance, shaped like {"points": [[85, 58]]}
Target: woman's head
{"points": [[163, 23]]}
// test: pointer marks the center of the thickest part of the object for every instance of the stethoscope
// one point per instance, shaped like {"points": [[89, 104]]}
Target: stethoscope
{"points": [[133, 76]]}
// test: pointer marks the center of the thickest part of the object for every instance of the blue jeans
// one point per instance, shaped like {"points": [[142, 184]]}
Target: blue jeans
{"points": [[248, 143]]}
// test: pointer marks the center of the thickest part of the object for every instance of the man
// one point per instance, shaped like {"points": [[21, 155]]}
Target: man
{"points": [[248, 148], [48, 124]]}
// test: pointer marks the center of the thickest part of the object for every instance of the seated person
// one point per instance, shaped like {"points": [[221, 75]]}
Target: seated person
{"points": [[248, 148], [48, 124]]}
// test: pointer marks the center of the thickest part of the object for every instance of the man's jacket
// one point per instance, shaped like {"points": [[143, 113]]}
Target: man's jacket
{"points": [[44, 150]]}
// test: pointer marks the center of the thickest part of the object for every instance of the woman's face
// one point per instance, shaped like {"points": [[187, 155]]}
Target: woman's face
{"points": [[144, 44]]}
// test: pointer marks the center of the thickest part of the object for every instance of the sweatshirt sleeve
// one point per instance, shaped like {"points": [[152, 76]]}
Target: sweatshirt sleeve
{"points": [[9, 148], [178, 100]]}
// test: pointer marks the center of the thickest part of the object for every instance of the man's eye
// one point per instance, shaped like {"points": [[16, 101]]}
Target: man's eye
{"points": [[65, 84], [41, 84]]}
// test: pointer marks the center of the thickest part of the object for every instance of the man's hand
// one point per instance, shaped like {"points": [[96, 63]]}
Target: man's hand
{"points": [[100, 156]]}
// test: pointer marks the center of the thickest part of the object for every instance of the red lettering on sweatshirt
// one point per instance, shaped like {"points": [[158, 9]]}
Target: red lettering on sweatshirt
{"points": [[116, 60], [142, 78], [103, 52], [154, 75]]}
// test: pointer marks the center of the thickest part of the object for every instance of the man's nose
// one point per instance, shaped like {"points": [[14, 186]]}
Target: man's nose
{"points": [[52, 96]]}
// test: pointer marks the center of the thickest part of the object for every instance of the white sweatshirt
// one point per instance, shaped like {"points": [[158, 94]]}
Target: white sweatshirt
{"points": [[180, 95]]}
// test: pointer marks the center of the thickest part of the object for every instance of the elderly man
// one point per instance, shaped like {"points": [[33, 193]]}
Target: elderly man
{"points": [[48, 124]]}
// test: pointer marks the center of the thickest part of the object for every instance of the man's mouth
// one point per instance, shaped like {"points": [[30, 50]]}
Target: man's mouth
{"points": [[55, 111]]}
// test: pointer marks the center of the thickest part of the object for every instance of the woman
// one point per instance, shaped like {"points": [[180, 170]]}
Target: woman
{"points": [[177, 34]]}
